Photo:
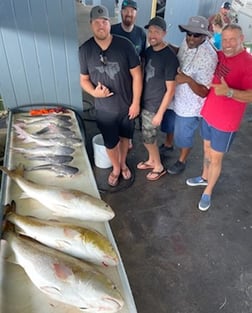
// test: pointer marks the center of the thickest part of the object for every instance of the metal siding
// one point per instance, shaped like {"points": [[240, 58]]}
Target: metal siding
{"points": [[39, 53]]}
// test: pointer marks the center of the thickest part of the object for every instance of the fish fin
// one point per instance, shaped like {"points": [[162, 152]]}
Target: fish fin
{"points": [[62, 271]]}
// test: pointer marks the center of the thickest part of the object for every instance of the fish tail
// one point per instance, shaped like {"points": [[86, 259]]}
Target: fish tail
{"points": [[19, 171], [7, 225]]}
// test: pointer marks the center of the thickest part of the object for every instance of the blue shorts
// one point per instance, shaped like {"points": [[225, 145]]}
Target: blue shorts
{"points": [[220, 141], [184, 130], [113, 126], [167, 125]]}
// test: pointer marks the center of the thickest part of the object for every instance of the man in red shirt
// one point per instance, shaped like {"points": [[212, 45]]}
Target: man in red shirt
{"points": [[223, 110]]}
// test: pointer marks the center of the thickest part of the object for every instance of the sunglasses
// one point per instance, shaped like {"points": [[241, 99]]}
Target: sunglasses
{"points": [[193, 34], [103, 58]]}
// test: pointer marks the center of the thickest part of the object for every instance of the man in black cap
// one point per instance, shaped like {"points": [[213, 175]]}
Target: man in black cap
{"points": [[160, 69], [127, 27], [111, 73], [224, 13]]}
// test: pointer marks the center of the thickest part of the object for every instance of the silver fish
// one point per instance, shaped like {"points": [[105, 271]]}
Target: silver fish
{"points": [[53, 158], [26, 137], [62, 170], [80, 242], [64, 121], [65, 278], [54, 129], [45, 150], [62, 202]]}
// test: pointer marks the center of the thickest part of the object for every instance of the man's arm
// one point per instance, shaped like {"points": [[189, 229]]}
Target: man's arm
{"points": [[137, 86], [198, 89], [223, 89], [166, 100]]}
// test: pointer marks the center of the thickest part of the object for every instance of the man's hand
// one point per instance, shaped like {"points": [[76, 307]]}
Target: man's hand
{"points": [[221, 89], [102, 91], [182, 78], [134, 111]]}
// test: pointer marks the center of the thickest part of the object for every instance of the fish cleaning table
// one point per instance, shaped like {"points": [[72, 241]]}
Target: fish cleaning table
{"points": [[17, 292]]}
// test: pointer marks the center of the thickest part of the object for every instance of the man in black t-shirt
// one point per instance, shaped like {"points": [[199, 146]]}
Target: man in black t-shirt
{"points": [[111, 73], [160, 70], [127, 28]]}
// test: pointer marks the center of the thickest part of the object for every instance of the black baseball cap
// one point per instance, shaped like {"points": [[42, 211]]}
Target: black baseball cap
{"points": [[157, 21], [129, 3], [226, 5], [99, 11]]}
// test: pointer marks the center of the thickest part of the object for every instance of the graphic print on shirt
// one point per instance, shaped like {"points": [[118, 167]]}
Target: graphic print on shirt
{"points": [[111, 69], [149, 71], [222, 70]]}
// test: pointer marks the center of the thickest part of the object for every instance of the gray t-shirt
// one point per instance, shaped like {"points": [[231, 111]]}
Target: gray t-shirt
{"points": [[111, 68]]}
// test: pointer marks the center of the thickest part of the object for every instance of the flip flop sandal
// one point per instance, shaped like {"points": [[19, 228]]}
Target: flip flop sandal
{"points": [[143, 165], [153, 175], [113, 179], [126, 174]]}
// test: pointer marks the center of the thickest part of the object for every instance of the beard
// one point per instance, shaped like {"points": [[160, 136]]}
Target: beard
{"points": [[128, 21]]}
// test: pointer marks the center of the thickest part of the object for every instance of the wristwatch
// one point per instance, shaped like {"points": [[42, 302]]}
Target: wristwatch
{"points": [[230, 93]]}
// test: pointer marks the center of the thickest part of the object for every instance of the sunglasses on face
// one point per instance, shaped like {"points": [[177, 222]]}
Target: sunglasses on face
{"points": [[103, 58], [189, 34]]}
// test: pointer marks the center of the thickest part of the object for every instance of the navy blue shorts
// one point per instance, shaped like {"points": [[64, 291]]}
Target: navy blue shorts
{"points": [[167, 125], [220, 141], [113, 126]]}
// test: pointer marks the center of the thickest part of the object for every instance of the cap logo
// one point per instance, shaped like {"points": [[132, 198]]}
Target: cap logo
{"points": [[100, 10]]}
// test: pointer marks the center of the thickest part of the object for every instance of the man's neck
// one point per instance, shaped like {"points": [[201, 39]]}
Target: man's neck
{"points": [[126, 28], [161, 46], [105, 43]]}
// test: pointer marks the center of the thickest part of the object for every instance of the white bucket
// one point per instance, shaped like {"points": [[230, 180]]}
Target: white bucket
{"points": [[101, 158]]}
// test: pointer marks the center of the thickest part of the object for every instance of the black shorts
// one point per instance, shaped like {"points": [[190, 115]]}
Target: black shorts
{"points": [[113, 126]]}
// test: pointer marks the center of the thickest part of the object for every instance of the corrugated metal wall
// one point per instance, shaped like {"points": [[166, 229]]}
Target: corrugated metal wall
{"points": [[39, 53]]}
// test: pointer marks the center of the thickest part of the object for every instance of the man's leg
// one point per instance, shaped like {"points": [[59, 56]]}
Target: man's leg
{"points": [[114, 156]]}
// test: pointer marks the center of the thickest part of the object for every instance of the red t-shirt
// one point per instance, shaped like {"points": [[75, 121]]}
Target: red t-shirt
{"points": [[222, 112]]}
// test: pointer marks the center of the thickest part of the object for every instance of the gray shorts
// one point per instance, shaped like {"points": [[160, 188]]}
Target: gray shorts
{"points": [[149, 132]]}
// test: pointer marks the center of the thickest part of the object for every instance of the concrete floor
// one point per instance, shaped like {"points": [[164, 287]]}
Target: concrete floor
{"points": [[177, 258]]}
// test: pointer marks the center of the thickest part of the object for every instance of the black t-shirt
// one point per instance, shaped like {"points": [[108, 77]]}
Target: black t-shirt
{"points": [[111, 68], [137, 36], [160, 66]]}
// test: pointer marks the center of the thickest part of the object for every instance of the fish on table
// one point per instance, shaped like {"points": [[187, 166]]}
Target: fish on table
{"points": [[61, 170], [61, 120], [45, 150], [62, 202], [53, 129], [51, 158], [81, 242], [63, 277], [27, 138]]}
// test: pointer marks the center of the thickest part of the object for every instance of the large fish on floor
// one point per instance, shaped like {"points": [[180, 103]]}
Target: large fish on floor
{"points": [[80, 242], [65, 278], [62, 202]]}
